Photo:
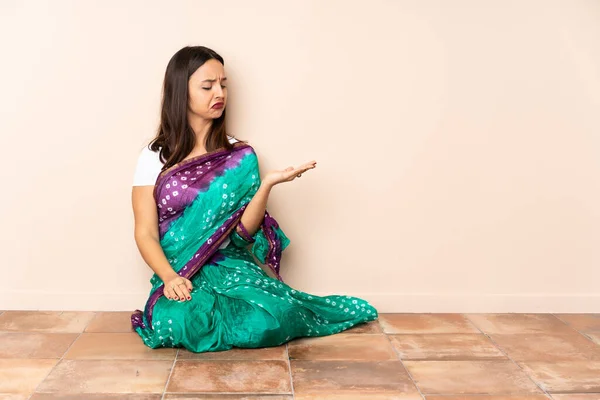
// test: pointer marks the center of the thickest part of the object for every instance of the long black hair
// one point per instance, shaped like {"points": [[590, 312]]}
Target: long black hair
{"points": [[175, 137]]}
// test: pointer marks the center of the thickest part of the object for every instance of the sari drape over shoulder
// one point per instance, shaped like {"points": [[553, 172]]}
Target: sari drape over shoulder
{"points": [[200, 203]]}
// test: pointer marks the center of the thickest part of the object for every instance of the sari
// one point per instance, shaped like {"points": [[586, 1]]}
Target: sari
{"points": [[235, 303]]}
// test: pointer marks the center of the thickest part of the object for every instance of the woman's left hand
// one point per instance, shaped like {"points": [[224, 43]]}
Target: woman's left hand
{"points": [[289, 174]]}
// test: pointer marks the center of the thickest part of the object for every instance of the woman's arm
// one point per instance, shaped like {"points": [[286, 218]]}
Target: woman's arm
{"points": [[255, 211], [146, 232]]}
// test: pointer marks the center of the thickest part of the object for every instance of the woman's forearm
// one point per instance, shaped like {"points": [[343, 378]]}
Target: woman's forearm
{"points": [[255, 211], [252, 218], [153, 254]]}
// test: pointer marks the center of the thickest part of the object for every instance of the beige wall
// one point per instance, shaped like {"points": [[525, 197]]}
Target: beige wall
{"points": [[458, 145]]}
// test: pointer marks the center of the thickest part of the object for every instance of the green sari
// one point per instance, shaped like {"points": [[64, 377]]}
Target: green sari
{"points": [[235, 303]]}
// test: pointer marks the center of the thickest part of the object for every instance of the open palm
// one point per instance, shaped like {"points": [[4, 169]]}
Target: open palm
{"points": [[289, 174]]}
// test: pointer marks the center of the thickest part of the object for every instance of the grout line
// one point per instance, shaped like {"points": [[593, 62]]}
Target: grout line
{"points": [[503, 352], [63, 356], [402, 363], [571, 327], [581, 333], [170, 373], [251, 394], [287, 353]]}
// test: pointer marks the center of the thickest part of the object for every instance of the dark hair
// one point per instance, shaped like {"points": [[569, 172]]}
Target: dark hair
{"points": [[175, 137]]}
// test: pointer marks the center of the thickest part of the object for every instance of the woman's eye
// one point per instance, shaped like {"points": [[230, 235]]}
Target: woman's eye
{"points": [[223, 86]]}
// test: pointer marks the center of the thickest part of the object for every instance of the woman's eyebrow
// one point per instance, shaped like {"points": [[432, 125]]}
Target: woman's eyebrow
{"points": [[213, 80]]}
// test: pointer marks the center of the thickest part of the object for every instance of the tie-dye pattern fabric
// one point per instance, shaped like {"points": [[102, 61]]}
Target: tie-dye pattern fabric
{"points": [[235, 303]]}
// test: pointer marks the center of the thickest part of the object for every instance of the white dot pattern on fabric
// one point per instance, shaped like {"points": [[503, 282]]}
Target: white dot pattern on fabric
{"points": [[236, 282]]}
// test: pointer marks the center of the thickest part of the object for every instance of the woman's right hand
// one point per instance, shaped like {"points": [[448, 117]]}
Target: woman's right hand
{"points": [[177, 288]]}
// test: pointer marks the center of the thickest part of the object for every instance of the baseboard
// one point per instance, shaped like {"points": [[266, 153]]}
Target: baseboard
{"points": [[485, 303], [384, 302]]}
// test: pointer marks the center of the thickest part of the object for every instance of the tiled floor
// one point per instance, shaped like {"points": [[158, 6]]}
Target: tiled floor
{"points": [[87, 355]]}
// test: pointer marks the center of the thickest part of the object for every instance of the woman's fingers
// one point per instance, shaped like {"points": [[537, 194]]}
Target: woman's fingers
{"points": [[179, 291], [183, 292], [174, 294], [307, 166], [302, 169], [290, 173]]}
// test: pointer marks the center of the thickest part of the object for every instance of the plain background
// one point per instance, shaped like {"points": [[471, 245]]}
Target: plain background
{"points": [[457, 143]]}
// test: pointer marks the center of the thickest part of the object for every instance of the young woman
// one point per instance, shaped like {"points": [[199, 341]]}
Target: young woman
{"points": [[200, 216]]}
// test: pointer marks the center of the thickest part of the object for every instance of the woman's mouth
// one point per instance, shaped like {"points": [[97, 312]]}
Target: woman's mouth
{"points": [[217, 105]]}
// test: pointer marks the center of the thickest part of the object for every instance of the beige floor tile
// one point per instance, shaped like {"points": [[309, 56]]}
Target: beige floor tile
{"points": [[518, 323], [426, 323], [446, 346], [594, 337], [350, 377], [470, 377], [22, 376], [575, 396], [107, 376], [548, 347], [111, 322], [4, 396], [228, 397], [35, 345], [95, 396], [508, 397], [265, 353], [116, 346], [45, 321], [358, 396], [369, 327], [582, 322], [565, 376], [365, 347], [271, 376]]}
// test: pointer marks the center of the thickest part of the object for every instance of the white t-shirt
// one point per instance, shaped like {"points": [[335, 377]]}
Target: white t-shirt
{"points": [[149, 166]]}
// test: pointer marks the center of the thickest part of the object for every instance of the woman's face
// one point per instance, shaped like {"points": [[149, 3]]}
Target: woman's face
{"points": [[207, 87]]}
